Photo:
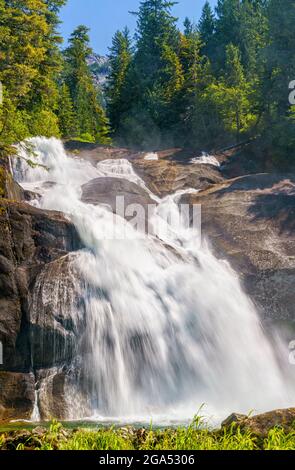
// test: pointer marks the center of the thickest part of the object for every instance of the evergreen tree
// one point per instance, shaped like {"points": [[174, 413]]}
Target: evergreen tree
{"points": [[231, 96], [154, 70], [228, 20], [188, 27], [243, 24], [194, 119], [45, 93], [29, 64], [91, 123], [120, 58], [206, 28], [66, 115], [279, 70]]}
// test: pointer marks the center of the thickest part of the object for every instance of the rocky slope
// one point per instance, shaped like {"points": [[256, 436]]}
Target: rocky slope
{"points": [[100, 67]]}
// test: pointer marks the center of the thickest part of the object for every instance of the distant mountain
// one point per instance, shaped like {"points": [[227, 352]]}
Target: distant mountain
{"points": [[100, 67]]}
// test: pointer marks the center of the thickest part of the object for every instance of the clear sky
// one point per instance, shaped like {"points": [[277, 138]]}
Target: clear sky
{"points": [[105, 17]]}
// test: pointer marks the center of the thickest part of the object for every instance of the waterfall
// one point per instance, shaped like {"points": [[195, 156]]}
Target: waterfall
{"points": [[35, 414], [167, 325]]}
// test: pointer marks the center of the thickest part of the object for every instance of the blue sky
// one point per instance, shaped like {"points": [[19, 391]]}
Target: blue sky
{"points": [[104, 17]]}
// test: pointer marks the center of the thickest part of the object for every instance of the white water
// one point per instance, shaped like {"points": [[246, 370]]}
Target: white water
{"points": [[206, 159], [36, 413], [167, 329], [152, 156]]}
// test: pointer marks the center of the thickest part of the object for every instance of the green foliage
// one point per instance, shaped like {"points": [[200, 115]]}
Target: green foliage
{"points": [[277, 122], [44, 122], [66, 114], [197, 436], [225, 79], [206, 29], [119, 59], [82, 98], [29, 64], [154, 76], [185, 89], [43, 94]]}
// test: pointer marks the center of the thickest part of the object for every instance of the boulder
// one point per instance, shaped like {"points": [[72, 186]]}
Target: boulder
{"points": [[261, 424], [105, 191], [233, 419]]}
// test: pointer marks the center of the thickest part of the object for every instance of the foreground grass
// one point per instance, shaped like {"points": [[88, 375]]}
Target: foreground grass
{"points": [[191, 438]]}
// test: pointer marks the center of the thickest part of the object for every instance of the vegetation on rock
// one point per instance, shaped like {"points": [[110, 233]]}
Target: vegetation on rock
{"points": [[194, 437]]}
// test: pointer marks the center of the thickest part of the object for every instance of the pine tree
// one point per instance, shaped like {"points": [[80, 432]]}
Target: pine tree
{"points": [[66, 115], [29, 63], [231, 96], [188, 27], [280, 52], [279, 70], [91, 120], [228, 20], [157, 42], [120, 59], [242, 23], [206, 28], [192, 126]]}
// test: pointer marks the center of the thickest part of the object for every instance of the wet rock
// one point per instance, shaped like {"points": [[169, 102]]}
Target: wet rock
{"points": [[13, 190], [17, 395], [30, 240], [167, 176], [250, 221], [59, 394], [106, 191], [51, 394], [54, 325], [170, 173]]}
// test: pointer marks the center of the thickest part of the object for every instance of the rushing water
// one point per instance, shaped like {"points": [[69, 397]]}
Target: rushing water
{"points": [[206, 159], [167, 325]]}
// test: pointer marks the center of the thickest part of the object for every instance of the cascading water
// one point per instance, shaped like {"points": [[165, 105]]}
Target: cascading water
{"points": [[206, 159], [167, 328]]}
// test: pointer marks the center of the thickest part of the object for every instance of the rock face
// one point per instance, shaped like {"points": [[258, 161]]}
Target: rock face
{"points": [[250, 221], [33, 244], [166, 176]]}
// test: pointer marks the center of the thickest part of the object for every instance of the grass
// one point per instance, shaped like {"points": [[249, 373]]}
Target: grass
{"points": [[191, 438]]}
